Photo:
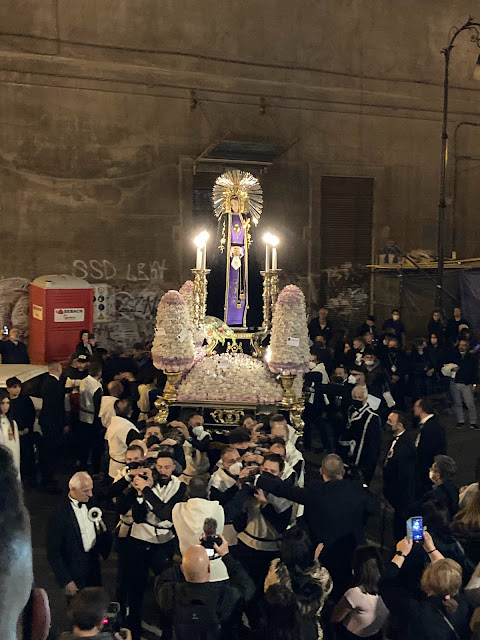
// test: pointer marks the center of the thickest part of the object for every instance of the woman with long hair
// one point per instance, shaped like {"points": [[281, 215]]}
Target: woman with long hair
{"points": [[361, 612], [466, 527], [8, 429], [439, 610], [299, 570]]}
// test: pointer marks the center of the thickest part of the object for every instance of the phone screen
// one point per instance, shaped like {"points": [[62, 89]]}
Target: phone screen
{"points": [[415, 529], [210, 553]]}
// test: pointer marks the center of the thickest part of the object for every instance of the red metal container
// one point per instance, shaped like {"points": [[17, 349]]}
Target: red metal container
{"points": [[60, 306]]}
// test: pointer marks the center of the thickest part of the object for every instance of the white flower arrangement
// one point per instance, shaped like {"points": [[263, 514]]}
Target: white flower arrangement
{"points": [[186, 291], [289, 343], [172, 348], [230, 378]]}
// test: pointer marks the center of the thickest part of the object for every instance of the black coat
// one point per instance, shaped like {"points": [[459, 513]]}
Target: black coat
{"points": [[65, 550], [360, 441], [335, 514], [14, 353], [446, 493], [52, 415], [432, 443], [468, 367], [334, 510], [23, 412], [399, 473]]}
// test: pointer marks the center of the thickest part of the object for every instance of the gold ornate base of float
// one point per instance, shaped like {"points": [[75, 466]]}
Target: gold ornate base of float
{"points": [[289, 398], [173, 380]]}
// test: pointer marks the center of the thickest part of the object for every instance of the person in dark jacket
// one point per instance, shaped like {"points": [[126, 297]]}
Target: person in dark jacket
{"points": [[182, 603], [52, 421], [13, 350], [441, 474], [74, 542], [320, 326], [429, 442], [455, 325], [436, 325], [437, 355], [396, 325], [440, 611], [359, 444], [461, 386], [23, 412], [395, 363], [335, 513], [399, 472]]}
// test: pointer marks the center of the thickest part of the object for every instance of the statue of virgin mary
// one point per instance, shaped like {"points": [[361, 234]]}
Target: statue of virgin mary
{"points": [[237, 202]]}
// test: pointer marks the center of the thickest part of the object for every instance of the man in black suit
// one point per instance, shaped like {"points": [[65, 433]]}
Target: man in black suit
{"points": [[335, 514], [23, 412], [52, 421], [399, 472], [13, 350], [430, 442], [74, 542]]}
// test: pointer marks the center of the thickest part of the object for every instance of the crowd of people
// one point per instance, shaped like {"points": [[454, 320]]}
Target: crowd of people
{"points": [[225, 531]]}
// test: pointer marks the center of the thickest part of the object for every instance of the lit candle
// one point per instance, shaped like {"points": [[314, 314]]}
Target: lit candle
{"points": [[201, 242], [199, 258], [204, 255], [274, 258], [267, 265]]}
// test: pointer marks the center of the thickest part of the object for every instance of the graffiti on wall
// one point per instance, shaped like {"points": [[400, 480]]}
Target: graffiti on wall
{"points": [[14, 298], [105, 271], [134, 291]]}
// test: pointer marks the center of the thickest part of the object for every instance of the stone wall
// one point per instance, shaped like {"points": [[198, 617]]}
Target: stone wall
{"points": [[99, 131]]}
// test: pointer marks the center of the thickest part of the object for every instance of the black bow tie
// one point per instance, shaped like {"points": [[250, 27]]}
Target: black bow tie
{"points": [[77, 504]]}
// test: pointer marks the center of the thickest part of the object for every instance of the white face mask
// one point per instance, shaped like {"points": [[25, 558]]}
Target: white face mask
{"points": [[369, 363], [236, 468], [312, 365], [197, 431], [351, 379]]}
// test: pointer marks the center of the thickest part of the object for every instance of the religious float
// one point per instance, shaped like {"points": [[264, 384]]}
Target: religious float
{"points": [[229, 362]]}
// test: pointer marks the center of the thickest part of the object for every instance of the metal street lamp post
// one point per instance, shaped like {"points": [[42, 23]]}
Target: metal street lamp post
{"points": [[474, 28]]}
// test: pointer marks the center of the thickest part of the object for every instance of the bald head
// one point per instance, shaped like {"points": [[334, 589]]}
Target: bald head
{"points": [[115, 388], [332, 468], [196, 564]]}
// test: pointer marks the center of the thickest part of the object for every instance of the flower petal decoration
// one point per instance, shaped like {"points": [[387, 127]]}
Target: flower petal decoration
{"points": [[187, 293], [172, 348], [289, 343], [230, 378]]}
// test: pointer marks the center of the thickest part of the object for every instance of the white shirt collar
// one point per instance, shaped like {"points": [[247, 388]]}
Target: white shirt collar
{"points": [[54, 376], [423, 420]]}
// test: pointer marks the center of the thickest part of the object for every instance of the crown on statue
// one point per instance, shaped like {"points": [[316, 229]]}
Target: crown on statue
{"points": [[241, 185]]}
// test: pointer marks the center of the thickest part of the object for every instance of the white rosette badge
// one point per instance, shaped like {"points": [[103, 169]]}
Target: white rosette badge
{"points": [[172, 348], [289, 343]]}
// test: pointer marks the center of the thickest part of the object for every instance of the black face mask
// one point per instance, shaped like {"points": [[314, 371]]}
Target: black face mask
{"points": [[393, 349], [338, 379], [357, 404]]}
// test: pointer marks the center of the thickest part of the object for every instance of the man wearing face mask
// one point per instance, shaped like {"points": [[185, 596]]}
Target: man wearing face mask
{"points": [[316, 403], [151, 541], [339, 394], [397, 325], [267, 517], [399, 472], [395, 364], [360, 442], [195, 447]]}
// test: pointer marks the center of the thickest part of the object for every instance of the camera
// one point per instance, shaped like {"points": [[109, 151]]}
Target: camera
{"points": [[111, 620]]}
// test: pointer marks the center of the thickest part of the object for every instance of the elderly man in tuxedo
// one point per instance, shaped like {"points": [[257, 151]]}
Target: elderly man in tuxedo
{"points": [[74, 541]]}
